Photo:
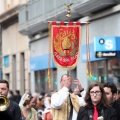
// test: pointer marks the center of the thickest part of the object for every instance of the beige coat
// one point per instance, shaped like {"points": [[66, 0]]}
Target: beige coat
{"points": [[63, 113]]}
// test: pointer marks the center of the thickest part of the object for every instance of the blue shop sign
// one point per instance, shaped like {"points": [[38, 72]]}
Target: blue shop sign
{"points": [[40, 63], [107, 46], [92, 53]]}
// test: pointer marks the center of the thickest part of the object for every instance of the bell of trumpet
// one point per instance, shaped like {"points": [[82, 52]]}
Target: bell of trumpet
{"points": [[4, 103]]}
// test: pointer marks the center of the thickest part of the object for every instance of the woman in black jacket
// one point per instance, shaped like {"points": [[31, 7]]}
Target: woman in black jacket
{"points": [[96, 107]]}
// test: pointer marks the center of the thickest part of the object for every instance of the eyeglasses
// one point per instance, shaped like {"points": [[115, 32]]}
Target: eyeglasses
{"points": [[95, 92]]}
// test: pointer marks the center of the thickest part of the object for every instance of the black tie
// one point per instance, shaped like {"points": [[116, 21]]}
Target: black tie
{"points": [[71, 110]]}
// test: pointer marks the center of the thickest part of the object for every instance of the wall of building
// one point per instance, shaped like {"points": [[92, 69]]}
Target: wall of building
{"points": [[101, 23], [6, 5], [104, 26], [16, 47], [39, 47]]}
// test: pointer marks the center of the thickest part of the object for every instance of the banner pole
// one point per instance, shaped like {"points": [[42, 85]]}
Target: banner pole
{"points": [[68, 22], [68, 72]]}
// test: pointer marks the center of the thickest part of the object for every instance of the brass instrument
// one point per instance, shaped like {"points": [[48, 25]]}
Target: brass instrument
{"points": [[4, 103]]}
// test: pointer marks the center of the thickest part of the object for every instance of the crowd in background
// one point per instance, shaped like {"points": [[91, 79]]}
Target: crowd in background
{"points": [[38, 103], [42, 106], [16, 97]]}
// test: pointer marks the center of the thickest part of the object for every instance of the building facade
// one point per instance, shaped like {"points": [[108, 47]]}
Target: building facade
{"points": [[104, 17], [15, 47]]}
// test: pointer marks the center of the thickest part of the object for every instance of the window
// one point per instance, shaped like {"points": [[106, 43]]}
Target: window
{"points": [[41, 80], [6, 61], [114, 71], [99, 71]]}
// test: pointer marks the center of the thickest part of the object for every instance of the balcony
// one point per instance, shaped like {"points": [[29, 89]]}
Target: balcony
{"points": [[34, 15]]}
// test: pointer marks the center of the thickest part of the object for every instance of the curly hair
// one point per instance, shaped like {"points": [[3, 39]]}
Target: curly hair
{"points": [[103, 101]]}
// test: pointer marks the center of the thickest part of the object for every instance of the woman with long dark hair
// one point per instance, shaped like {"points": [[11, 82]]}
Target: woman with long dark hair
{"points": [[96, 107]]}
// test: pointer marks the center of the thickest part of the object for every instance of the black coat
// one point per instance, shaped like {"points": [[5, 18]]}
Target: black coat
{"points": [[17, 98], [13, 112], [116, 106], [86, 113]]}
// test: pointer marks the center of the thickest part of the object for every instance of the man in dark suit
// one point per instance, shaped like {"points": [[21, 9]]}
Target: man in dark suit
{"points": [[111, 94], [12, 112]]}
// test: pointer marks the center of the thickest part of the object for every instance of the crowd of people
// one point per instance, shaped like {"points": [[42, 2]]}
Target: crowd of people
{"points": [[16, 97], [101, 101]]}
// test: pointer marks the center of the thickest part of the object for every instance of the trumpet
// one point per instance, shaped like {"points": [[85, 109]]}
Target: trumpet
{"points": [[4, 103]]}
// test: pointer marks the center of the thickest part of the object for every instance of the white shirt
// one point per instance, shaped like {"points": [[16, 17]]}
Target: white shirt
{"points": [[58, 99]]}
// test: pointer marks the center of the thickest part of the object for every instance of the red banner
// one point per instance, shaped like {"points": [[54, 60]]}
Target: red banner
{"points": [[65, 44]]}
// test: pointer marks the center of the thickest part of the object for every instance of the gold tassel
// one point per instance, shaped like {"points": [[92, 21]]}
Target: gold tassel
{"points": [[49, 56], [88, 63]]}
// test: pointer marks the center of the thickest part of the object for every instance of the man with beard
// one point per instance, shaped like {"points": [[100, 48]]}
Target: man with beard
{"points": [[111, 94]]}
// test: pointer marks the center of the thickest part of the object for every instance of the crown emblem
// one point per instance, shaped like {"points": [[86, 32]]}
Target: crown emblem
{"points": [[66, 44]]}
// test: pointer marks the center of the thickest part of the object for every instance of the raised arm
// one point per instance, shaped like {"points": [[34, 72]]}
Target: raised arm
{"points": [[59, 97]]}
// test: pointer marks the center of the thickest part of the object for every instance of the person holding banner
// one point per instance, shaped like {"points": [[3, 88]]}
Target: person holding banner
{"points": [[65, 105]]}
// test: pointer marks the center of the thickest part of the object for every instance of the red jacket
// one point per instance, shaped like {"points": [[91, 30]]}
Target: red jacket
{"points": [[48, 115]]}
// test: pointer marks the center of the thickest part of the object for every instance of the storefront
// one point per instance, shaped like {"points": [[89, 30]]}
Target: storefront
{"points": [[104, 58], [39, 65]]}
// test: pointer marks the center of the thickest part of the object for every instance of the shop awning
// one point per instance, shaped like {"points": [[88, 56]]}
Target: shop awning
{"points": [[40, 63]]}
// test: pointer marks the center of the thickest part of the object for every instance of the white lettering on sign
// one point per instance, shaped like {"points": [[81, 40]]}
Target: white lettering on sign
{"points": [[109, 54], [108, 44], [57, 56]]}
